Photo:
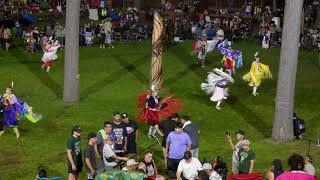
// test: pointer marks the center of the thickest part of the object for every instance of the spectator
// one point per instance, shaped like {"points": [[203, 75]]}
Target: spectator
{"points": [[212, 175], [178, 142], [89, 155], [132, 134], [109, 156], [1, 117], [296, 165], [150, 166], [193, 131], [74, 153], [7, 37], [42, 174], [164, 128], [202, 175], [308, 167], [131, 165], [102, 136], [235, 148], [246, 158], [220, 167], [275, 170], [119, 130], [188, 167]]}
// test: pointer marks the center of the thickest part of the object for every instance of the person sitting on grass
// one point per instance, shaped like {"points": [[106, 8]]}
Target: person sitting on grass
{"points": [[296, 165], [212, 175]]}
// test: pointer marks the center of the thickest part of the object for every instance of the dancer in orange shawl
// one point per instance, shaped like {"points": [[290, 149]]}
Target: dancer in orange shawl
{"points": [[153, 111]]}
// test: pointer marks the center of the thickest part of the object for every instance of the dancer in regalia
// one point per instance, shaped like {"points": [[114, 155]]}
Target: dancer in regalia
{"points": [[232, 59], [202, 50], [257, 72], [152, 110], [216, 85], [50, 54], [14, 109]]}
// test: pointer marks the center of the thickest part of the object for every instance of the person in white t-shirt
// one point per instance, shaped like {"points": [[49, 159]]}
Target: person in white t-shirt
{"points": [[213, 175], [109, 156], [188, 167]]}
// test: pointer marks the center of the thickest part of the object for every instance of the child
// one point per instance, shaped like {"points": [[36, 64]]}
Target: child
{"points": [[88, 36], [202, 51]]}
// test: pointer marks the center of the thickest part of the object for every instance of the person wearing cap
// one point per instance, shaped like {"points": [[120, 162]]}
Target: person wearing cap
{"points": [[246, 158], [74, 153], [235, 148], [164, 128], [109, 156], [308, 167], [188, 167], [119, 130], [213, 175], [193, 131], [102, 136], [178, 142], [130, 171], [89, 155], [132, 134]]}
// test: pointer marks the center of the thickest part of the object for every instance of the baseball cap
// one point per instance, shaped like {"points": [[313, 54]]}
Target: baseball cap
{"points": [[242, 132], [131, 162], [76, 128], [207, 166], [124, 115], [91, 135], [245, 142], [187, 155]]}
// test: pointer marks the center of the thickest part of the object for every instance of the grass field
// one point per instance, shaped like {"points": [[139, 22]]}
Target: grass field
{"points": [[111, 79]]}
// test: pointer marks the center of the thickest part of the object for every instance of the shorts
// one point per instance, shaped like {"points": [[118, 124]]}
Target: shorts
{"points": [[7, 40], [76, 172]]}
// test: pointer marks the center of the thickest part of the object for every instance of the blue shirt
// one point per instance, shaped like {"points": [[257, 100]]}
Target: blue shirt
{"points": [[178, 144]]}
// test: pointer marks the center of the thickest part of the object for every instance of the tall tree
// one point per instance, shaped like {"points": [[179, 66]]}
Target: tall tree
{"points": [[282, 131], [71, 62]]}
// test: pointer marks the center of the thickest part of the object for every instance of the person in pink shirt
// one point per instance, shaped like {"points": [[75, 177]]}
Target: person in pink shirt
{"points": [[296, 164]]}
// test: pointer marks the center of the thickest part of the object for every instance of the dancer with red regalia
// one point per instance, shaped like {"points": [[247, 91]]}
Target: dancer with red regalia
{"points": [[153, 111]]}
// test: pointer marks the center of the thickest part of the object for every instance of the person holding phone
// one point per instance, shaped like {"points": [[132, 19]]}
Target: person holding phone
{"points": [[236, 148]]}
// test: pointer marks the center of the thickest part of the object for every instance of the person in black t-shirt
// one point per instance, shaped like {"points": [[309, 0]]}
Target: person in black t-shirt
{"points": [[119, 130], [164, 128], [89, 156], [132, 134]]}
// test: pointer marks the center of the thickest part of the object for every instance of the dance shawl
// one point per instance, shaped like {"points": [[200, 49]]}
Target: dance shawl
{"points": [[257, 72], [165, 108]]}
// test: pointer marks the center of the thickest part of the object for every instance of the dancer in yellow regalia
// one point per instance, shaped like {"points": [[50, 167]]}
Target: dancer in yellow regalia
{"points": [[257, 72]]}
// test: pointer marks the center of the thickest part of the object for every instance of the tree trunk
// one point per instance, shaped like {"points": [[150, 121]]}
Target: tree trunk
{"points": [[274, 5], [282, 131], [137, 4], [302, 22], [71, 62], [318, 16]]}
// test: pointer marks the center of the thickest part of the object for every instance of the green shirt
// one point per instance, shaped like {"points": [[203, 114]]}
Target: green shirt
{"points": [[73, 144], [245, 158], [110, 175], [133, 175]]}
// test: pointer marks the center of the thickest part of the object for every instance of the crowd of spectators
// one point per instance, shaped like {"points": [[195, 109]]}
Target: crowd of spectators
{"points": [[115, 145]]}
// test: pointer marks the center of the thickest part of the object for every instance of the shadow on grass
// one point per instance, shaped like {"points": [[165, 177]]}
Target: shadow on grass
{"points": [[132, 68], [110, 79], [35, 68], [250, 116]]}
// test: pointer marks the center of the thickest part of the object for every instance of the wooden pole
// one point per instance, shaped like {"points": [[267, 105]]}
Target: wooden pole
{"points": [[71, 62], [282, 131], [157, 42]]}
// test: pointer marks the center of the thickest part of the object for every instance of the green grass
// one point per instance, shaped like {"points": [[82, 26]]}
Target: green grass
{"points": [[111, 79]]}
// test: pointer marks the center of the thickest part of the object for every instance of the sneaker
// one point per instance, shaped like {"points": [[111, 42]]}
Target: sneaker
{"points": [[1, 132], [218, 108]]}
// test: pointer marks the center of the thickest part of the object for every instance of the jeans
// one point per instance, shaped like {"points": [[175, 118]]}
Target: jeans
{"points": [[101, 166]]}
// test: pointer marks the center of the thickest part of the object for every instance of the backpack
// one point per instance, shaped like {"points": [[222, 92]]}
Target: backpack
{"points": [[298, 125]]}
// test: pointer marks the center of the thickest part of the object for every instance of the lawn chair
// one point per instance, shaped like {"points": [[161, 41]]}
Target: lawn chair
{"points": [[117, 36], [55, 178], [253, 176], [134, 36]]}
